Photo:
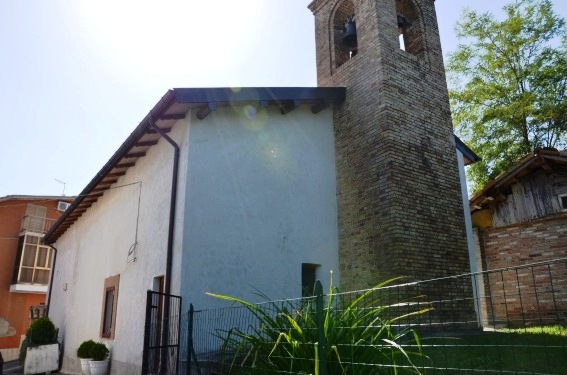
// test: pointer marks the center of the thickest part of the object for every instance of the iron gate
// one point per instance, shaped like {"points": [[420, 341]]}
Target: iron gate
{"points": [[161, 334]]}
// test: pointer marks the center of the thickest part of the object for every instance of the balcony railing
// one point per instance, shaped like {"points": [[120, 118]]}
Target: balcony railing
{"points": [[36, 224]]}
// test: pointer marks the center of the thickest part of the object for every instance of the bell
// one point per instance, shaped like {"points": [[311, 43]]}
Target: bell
{"points": [[403, 22], [349, 30]]}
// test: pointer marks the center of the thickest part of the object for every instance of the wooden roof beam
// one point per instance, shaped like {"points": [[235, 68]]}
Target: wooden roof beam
{"points": [[172, 116], [134, 155], [316, 108], [152, 131], [125, 165], [146, 143], [203, 112], [289, 106]]}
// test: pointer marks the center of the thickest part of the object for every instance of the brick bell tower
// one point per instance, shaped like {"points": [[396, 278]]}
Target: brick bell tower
{"points": [[400, 210]]}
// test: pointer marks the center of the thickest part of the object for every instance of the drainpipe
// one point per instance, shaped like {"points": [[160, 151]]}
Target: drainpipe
{"points": [[51, 279], [173, 203]]}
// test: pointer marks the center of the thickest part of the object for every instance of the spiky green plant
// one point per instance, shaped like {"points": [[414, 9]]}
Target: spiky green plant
{"points": [[346, 337]]}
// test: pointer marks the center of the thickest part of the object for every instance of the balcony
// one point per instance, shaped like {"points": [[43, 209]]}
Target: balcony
{"points": [[33, 265], [35, 224]]}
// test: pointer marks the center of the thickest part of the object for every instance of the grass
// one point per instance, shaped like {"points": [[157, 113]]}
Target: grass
{"points": [[537, 350]]}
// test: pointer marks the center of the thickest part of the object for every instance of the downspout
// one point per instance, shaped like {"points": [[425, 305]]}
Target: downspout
{"points": [[173, 203], [51, 279], [169, 261]]}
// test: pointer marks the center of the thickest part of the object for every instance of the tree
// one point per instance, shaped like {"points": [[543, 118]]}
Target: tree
{"points": [[508, 85]]}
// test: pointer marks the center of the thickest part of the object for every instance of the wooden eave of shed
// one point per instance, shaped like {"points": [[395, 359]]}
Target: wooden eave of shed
{"points": [[174, 106], [493, 192]]}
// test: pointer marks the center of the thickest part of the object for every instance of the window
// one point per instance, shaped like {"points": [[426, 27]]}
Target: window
{"points": [[33, 262], [109, 304], [34, 221], [563, 202], [308, 279]]}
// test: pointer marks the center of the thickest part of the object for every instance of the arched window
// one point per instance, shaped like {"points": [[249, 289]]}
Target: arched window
{"points": [[410, 27], [344, 32]]}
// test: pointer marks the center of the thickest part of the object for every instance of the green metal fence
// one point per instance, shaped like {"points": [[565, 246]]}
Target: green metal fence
{"points": [[508, 321]]}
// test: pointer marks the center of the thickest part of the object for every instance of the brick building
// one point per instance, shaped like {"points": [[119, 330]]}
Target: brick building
{"points": [[520, 219], [25, 263]]}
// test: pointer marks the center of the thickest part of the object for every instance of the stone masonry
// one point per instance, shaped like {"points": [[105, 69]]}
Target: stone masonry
{"points": [[400, 211]]}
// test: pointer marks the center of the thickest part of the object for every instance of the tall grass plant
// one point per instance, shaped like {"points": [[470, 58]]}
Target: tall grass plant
{"points": [[325, 335]]}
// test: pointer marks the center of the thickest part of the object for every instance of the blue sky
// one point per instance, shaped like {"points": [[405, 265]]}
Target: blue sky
{"points": [[77, 76]]}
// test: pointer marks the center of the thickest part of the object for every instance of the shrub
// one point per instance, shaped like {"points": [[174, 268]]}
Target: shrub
{"points": [[41, 332], [358, 335], [84, 350], [99, 351], [24, 350]]}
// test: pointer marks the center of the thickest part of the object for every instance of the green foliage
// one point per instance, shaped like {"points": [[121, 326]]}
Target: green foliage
{"points": [[556, 330], [508, 85], [352, 335], [84, 350], [23, 350], [537, 350], [98, 352], [41, 332]]}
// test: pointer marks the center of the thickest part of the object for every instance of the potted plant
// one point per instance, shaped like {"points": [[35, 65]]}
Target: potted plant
{"points": [[84, 354], [40, 351], [99, 362]]}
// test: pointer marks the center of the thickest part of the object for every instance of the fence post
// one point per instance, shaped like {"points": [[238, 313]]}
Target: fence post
{"points": [[147, 330], [189, 338], [320, 313]]}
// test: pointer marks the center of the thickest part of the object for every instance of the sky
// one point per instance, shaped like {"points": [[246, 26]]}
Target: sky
{"points": [[76, 77]]}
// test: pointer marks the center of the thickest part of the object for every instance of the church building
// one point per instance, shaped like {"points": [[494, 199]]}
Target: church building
{"points": [[229, 190]]}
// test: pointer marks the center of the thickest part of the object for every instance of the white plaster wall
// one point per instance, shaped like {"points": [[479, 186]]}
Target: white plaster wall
{"points": [[469, 230], [256, 198], [260, 201], [96, 247]]}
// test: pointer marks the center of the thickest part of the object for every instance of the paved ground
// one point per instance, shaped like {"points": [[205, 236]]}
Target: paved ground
{"points": [[14, 368]]}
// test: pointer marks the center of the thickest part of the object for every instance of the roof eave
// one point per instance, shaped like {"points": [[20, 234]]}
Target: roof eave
{"points": [[318, 97]]}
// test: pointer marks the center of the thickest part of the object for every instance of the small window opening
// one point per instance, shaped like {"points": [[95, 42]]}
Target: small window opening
{"points": [[308, 279], [563, 202], [109, 305]]}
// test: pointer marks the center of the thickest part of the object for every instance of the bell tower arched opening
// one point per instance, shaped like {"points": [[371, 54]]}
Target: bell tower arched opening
{"points": [[344, 33], [410, 27]]}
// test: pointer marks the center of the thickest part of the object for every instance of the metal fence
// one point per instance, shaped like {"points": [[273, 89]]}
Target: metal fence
{"points": [[161, 334], [507, 321]]}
